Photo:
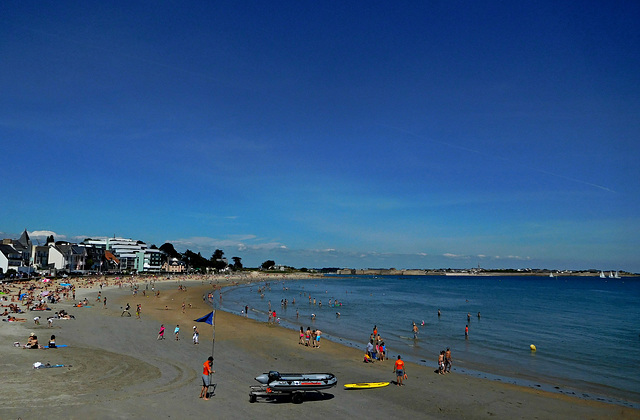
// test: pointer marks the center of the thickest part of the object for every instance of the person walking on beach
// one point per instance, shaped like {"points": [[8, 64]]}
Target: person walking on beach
{"points": [[447, 361], [441, 363], [398, 367], [415, 331], [176, 331], [161, 333], [126, 310], [196, 335], [206, 377], [104, 303], [138, 310], [301, 341]]}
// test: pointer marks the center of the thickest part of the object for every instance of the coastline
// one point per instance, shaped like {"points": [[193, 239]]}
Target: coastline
{"points": [[509, 367], [146, 376]]}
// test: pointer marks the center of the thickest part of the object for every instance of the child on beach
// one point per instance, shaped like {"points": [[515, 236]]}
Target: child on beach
{"points": [[176, 331], [161, 333]]}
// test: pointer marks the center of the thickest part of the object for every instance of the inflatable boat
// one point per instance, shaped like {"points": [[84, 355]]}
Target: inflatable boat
{"points": [[297, 381], [274, 384]]}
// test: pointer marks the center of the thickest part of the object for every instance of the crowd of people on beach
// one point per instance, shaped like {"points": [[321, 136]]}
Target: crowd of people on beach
{"points": [[310, 338], [376, 351]]}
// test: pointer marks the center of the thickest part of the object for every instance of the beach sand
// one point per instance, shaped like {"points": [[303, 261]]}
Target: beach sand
{"points": [[120, 370]]}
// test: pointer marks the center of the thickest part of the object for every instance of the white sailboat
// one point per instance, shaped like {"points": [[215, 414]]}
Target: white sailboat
{"points": [[617, 275], [611, 275], [551, 275], [602, 276]]}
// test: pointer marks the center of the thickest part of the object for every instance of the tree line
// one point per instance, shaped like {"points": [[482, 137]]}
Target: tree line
{"points": [[217, 261]]}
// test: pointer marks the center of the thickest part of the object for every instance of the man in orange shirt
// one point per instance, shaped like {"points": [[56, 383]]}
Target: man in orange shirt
{"points": [[206, 375], [399, 368]]}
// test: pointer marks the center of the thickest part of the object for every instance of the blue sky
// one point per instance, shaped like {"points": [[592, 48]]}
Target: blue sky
{"points": [[370, 134]]}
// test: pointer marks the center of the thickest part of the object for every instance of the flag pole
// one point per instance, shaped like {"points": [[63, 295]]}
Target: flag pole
{"points": [[213, 335]]}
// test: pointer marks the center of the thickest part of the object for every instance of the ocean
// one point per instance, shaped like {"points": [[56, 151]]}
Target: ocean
{"points": [[586, 329]]}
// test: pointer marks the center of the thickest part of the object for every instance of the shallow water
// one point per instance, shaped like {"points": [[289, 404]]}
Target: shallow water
{"points": [[585, 329]]}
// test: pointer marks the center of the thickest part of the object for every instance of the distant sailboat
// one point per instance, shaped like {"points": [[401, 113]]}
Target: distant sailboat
{"points": [[551, 275], [617, 276], [611, 275], [602, 276]]}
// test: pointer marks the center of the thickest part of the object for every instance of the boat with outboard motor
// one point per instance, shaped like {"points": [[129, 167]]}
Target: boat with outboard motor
{"points": [[294, 384]]}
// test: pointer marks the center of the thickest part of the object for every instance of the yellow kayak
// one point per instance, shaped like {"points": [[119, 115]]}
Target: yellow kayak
{"points": [[365, 385]]}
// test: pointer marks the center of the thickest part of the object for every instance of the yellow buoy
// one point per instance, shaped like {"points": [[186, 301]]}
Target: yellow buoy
{"points": [[532, 347]]}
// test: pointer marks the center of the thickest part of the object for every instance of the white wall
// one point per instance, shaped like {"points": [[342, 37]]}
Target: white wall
{"points": [[56, 258]]}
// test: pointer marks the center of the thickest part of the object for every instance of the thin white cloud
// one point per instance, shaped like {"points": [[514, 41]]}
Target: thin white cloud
{"points": [[241, 242], [449, 255], [45, 233]]}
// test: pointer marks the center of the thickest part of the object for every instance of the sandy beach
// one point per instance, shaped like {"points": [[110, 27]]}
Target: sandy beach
{"points": [[118, 369]]}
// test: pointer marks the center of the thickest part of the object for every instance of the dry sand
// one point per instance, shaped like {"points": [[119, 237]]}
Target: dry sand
{"points": [[119, 370]]}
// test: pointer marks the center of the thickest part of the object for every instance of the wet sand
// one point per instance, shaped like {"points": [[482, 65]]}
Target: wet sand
{"points": [[120, 370]]}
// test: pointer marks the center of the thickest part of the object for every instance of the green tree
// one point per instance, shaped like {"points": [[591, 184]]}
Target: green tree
{"points": [[217, 260], [237, 263], [218, 254], [168, 249], [196, 261], [268, 265]]}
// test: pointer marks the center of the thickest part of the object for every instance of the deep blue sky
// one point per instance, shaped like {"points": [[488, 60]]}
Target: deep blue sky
{"points": [[318, 133]]}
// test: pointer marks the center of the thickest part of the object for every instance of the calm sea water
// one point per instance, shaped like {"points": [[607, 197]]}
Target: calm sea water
{"points": [[586, 329]]}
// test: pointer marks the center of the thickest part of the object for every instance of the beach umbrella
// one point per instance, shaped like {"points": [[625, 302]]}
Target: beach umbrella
{"points": [[210, 319], [45, 293]]}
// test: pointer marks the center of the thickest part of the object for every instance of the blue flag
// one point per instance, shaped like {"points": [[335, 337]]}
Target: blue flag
{"points": [[208, 318]]}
